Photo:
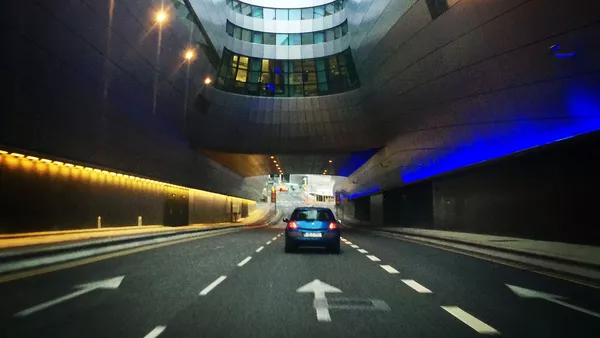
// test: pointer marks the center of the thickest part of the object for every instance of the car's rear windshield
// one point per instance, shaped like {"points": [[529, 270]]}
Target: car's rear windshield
{"points": [[312, 215]]}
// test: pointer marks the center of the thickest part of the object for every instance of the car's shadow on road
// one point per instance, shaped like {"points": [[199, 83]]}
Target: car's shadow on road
{"points": [[313, 251]]}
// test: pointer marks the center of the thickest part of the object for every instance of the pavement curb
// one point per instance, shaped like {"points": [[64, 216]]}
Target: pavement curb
{"points": [[491, 247], [16, 254]]}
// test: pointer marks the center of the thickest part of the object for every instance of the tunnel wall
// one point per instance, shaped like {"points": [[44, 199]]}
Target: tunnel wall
{"points": [[548, 193], [45, 196], [89, 86]]}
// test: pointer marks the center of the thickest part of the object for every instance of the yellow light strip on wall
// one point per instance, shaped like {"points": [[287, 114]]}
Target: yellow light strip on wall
{"points": [[105, 172]]}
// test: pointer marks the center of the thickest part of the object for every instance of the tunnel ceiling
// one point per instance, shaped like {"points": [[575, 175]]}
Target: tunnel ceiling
{"points": [[248, 165]]}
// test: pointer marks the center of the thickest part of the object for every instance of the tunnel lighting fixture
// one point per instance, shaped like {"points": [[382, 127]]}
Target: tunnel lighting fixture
{"points": [[104, 172], [45, 160], [272, 156], [69, 165], [113, 174], [33, 158], [161, 16], [274, 161], [88, 168], [78, 167], [207, 81], [58, 162], [97, 170], [2, 152], [189, 54], [120, 175], [18, 155], [330, 161]]}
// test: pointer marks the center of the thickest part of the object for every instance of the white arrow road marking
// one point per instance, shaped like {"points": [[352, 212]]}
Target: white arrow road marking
{"points": [[246, 260], [260, 249], [320, 303], [528, 293], [363, 251], [156, 332], [416, 286], [212, 286], [374, 258], [468, 319], [107, 284]]}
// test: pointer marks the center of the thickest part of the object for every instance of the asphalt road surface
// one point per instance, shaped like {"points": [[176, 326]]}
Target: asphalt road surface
{"points": [[242, 284]]}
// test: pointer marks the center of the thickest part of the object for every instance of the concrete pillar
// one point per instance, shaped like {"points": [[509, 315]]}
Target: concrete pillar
{"points": [[377, 210]]}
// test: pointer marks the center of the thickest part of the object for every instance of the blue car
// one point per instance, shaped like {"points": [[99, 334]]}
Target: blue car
{"points": [[312, 226]]}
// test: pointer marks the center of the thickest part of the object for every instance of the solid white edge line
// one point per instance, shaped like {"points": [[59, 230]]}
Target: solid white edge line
{"points": [[246, 260], [155, 332], [269, 242], [212, 286], [374, 258], [416, 286], [363, 251], [354, 246], [471, 321], [260, 249], [389, 269]]}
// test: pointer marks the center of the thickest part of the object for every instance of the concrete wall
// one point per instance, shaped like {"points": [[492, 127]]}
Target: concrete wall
{"points": [[546, 194], [87, 82], [36, 196]]}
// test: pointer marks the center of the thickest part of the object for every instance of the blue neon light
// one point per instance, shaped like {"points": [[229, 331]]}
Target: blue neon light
{"points": [[581, 104], [277, 70], [356, 160], [270, 86]]}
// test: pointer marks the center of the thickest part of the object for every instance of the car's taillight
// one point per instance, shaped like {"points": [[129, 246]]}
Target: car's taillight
{"points": [[292, 225], [333, 226]]}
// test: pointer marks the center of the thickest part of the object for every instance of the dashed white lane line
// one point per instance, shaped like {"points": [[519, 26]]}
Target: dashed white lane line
{"points": [[212, 286], [374, 258], [269, 242], [155, 332], [246, 260], [471, 321], [354, 246], [260, 249], [389, 269], [416, 286], [274, 238], [362, 251], [349, 243]]}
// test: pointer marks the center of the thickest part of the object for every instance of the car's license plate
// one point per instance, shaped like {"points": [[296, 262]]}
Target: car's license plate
{"points": [[313, 234]]}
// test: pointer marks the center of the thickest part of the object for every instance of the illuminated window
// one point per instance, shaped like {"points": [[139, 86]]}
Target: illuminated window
{"points": [[287, 78]]}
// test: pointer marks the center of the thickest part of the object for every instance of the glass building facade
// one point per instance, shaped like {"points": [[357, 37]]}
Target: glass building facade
{"points": [[266, 13], [291, 39], [287, 78]]}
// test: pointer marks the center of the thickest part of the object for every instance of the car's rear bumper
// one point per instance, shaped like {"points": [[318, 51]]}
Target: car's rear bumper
{"points": [[297, 237]]}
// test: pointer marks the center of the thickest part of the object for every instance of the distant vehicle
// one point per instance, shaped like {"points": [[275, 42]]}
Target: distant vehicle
{"points": [[310, 226]]}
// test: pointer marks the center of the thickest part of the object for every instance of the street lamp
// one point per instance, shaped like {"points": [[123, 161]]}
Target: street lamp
{"points": [[161, 16]]}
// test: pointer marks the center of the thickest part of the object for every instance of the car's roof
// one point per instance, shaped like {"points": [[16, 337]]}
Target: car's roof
{"points": [[312, 208]]}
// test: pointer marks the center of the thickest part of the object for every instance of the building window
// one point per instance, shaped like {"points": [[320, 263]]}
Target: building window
{"points": [[287, 78], [308, 13], [287, 39], [295, 14], [281, 14]]}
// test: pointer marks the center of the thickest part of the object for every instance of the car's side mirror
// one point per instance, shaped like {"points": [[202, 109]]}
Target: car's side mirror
{"points": [[286, 220]]}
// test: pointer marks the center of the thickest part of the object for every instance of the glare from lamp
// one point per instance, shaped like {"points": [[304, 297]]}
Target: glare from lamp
{"points": [[3, 152], [207, 81], [161, 16], [189, 54], [330, 161]]}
